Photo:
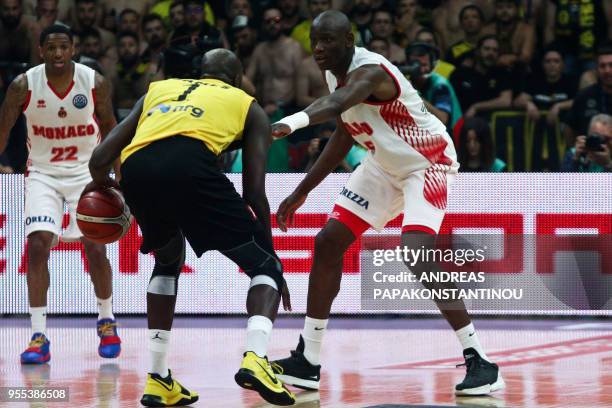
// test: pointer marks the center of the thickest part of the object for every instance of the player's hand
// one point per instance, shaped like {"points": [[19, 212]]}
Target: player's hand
{"points": [[101, 182], [285, 297], [553, 115], [602, 158], [533, 112], [284, 215], [280, 130], [580, 147]]}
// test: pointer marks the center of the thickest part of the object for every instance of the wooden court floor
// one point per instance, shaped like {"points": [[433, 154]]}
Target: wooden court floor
{"points": [[366, 362]]}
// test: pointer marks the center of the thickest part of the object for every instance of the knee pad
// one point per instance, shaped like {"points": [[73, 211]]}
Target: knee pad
{"points": [[169, 261], [256, 261]]}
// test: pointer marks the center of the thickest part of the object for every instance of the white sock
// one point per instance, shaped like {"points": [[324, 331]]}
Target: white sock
{"points": [[468, 338], [259, 329], [159, 341], [38, 318], [105, 308], [313, 336]]}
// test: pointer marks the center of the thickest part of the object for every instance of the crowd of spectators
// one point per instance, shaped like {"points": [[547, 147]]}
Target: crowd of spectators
{"points": [[550, 61]]}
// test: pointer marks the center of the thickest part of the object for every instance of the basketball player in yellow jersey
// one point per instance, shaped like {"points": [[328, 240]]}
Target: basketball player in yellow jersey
{"points": [[169, 146]]}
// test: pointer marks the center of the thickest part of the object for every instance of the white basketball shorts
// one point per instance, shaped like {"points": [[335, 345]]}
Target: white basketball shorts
{"points": [[45, 197], [372, 197]]}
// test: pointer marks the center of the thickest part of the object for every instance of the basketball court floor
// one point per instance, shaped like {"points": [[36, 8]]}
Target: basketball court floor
{"points": [[367, 362]]}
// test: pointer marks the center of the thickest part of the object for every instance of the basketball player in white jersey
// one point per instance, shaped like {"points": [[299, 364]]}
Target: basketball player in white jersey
{"points": [[68, 109], [410, 164]]}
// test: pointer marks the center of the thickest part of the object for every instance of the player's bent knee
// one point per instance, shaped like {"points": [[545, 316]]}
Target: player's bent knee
{"points": [[263, 280], [94, 252], [255, 261], [328, 246], [39, 244], [169, 261]]}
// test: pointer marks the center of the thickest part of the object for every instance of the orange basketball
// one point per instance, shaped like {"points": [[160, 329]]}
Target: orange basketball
{"points": [[103, 216]]}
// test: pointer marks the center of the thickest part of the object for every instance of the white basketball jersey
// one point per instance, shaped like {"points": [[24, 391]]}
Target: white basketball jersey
{"points": [[62, 129], [401, 135]]}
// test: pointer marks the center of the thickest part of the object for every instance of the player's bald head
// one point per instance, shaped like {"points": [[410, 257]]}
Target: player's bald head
{"points": [[222, 64], [334, 21]]}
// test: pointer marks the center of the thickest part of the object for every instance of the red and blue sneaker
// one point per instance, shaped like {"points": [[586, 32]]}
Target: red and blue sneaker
{"points": [[110, 343], [38, 350]]}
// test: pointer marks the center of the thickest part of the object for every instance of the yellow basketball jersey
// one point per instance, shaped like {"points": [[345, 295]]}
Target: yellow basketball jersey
{"points": [[209, 110]]}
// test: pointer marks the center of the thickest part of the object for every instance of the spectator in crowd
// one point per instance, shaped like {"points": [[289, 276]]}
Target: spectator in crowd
{"points": [[113, 9], [317, 144], [18, 37], [595, 99], [83, 59], [129, 20], [437, 93], [274, 66], [471, 20], [476, 151], [579, 27], [196, 27], [239, 8], [446, 23], [91, 47], [301, 32], [516, 38], [244, 39], [163, 9], [290, 10], [310, 83], [427, 36], [361, 15], [47, 12], [592, 153], [551, 91], [86, 12], [133, 75], [382, 27], [406, 25], [483, 87], [176, 14], [63, 9], [380, 46], [156, 37]]}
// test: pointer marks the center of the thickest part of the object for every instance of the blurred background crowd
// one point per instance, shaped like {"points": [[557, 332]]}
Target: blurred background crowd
{"points": [[522, 85]]}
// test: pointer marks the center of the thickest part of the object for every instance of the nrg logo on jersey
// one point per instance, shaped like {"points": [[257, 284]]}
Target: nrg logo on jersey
{"points": [[163, 108]]}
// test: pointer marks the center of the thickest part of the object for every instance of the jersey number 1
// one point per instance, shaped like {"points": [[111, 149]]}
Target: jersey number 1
{"points": [[192, 87], [64, 153]]}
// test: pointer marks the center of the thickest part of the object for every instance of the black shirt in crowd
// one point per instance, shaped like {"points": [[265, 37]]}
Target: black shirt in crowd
{"points": [[471, 86], [545, 94], [588, 103]]}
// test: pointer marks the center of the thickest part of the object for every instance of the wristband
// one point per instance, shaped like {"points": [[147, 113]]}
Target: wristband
{"points": [[296, 121]]}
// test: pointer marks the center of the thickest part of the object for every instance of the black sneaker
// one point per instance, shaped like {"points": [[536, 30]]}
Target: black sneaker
{"points": [[482, 377], [297, 371]]}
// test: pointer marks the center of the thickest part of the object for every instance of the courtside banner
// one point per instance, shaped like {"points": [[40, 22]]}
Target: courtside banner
{"points": [[544, 240]]}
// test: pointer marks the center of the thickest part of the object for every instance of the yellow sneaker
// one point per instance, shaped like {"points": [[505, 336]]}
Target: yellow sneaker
{"points": [[166, 392], [256, 374]]}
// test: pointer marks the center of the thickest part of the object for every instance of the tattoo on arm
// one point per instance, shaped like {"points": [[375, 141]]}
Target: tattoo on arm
{"points": [[16, 97], [104, 106]]}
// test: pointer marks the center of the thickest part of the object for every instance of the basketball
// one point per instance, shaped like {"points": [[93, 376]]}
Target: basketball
{"points": [[103, 216]]}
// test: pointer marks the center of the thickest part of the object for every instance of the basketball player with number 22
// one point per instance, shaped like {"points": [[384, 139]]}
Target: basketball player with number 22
{"points": [[68, 110]]}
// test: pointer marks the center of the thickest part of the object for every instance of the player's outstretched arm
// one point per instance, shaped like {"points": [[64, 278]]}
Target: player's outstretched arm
{"points": [[104, 110], [109, 149], [334, 152], [256, 143], [361, 84], [16, 97]]}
